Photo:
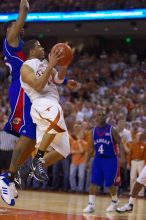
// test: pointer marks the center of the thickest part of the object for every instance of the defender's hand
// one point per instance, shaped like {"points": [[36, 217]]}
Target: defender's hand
{"points": [[24, 4]]}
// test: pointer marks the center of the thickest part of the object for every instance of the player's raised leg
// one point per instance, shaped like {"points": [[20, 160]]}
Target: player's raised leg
{"points": [[140, 182]]}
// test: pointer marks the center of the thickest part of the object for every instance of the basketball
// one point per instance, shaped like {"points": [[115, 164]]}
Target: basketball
{"points": [[67, 54]]}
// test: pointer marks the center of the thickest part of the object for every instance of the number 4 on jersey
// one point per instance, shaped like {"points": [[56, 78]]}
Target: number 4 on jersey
{"points": [[100, 149]]}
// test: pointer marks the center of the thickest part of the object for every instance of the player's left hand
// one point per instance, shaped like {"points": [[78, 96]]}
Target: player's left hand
{"points": [[73, 85]]}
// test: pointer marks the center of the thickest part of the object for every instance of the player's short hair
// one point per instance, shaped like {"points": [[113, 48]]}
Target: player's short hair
{"points": [[28, 45], [8, 24]]}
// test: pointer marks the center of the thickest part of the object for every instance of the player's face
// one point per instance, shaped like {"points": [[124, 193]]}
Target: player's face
{"points": [[101, 116], [39, 51]]}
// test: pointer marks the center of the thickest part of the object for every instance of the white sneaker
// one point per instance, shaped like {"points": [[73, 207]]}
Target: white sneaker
{"points": [[7, 190], [126, 208], [89, 209], [13, 187], [112, 207]]}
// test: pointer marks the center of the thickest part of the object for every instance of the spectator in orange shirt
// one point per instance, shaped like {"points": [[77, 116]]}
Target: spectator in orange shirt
{"points": [[136, 128], [140, 182], [79, 149], [136, 159]]}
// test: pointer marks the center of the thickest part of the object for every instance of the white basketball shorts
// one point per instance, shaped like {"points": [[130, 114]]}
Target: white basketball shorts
{"points": [[48, 117]]}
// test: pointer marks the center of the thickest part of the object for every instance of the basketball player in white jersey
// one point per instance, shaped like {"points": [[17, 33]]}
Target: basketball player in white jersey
{"points": [[140, 182], [39, 79]]}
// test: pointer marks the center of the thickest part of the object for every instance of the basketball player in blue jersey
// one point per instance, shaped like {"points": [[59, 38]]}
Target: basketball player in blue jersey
{"points": [[20, 122], [105, 168]]}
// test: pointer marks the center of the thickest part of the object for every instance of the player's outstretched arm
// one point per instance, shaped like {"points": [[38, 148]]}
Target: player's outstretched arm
{"points": [[13, 35]]}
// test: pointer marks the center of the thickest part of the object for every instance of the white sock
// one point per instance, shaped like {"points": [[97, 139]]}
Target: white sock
{"points": [[92, 199], [114, 198], [132, 200]]}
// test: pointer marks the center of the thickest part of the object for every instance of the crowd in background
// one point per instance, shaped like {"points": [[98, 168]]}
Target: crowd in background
{"points": [[73, 5], [114, 80]]}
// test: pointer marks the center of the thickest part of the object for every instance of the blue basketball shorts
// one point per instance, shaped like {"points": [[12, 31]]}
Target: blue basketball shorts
{"points": [[20, 122], [105, 171]]}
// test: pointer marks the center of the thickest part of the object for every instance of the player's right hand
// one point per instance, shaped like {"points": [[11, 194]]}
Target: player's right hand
{"points": [[54, 56]]}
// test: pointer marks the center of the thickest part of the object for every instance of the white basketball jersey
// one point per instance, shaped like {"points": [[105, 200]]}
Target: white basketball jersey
{"points": [[49, 91]]}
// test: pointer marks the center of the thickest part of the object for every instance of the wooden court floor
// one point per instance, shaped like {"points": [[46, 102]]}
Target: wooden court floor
{"points": [[34, 205]]}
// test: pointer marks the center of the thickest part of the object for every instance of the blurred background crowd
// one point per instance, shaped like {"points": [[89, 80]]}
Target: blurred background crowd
{"points": [[73, 5], [115, 80]]}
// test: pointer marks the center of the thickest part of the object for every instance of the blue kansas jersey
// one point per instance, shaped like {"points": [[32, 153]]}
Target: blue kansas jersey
{"points": [[103, 141], [105, 168], [20, 122]]}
